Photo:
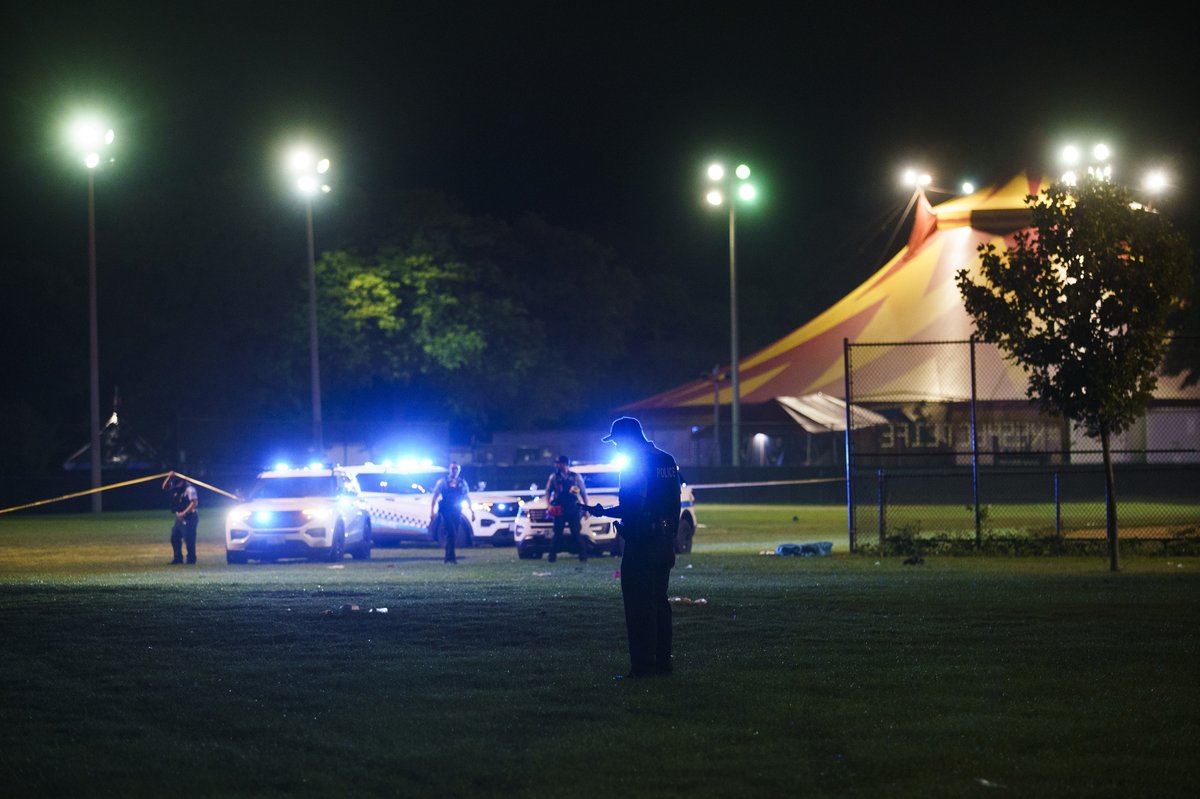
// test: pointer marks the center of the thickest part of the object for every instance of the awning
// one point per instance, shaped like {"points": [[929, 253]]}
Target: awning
{"points": [[821, 413]]}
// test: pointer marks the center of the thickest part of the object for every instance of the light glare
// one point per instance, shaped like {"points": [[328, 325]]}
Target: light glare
{"points": [[1101, 152], [716, 172], [1155, 181], [1070, 155], [742, 171], [968, 187], [746, 191], [714, 197]]}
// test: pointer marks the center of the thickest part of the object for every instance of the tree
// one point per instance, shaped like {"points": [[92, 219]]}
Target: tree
{"points": [[1082, 301]]}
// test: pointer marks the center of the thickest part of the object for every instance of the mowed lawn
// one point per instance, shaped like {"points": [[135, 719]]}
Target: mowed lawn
{"points": [[838, 676]]}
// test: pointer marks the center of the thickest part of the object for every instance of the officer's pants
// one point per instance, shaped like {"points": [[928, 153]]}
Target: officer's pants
{"points": [[645, 572], [183, 532], [572, 520]]}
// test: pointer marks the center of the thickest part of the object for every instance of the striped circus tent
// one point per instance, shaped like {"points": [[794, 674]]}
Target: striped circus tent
{"points": [[911, 299]]}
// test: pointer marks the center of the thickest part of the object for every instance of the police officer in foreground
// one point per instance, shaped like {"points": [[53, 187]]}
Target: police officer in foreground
{"points": [[566, 502], [649, 514]]}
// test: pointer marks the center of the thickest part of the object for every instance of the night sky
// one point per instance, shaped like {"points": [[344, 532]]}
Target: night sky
{"points": [[598, 116]]}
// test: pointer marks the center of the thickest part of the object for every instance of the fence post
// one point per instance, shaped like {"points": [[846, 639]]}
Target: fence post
{"points": [[882, 506], [1057, 507], [975, 453], [850, 530]]}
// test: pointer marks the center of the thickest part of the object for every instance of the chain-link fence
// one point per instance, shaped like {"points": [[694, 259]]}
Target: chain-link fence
{"points": [[949, 446]]}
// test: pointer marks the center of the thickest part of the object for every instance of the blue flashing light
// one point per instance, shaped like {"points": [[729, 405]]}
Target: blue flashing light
{"points": [[282, 466], [620, 462]]}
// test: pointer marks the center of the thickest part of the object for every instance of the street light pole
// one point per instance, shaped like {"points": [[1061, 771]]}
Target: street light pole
{"points": [[315, 359], [93, 346], [735, 408], [308, 172], [740, 190], [90, 138]]}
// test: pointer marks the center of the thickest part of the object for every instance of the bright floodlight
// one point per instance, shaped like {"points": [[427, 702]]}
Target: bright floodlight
{"points": [[305, 168], [89, 136], [746, 191], [714, 197], [1070, 178], [742, 171], [300, 159], [1155, 181], [913, 178], [1070, 155], [716, 172], [968, 187], [1101, 152]]}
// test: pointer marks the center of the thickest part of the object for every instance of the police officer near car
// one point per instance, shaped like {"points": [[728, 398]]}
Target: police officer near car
{"points": [[648, 508], [566, 502], [450, 493], [184, 501]]}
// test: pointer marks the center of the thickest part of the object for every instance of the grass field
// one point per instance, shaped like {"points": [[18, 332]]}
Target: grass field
{"points": [[838, 676]]}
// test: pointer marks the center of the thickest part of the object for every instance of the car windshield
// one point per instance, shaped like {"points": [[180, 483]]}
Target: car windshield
{"points": [[298, 486], [389, 484], [602, 480]]}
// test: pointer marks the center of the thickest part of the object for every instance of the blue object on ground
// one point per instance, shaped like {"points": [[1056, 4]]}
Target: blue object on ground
{"points": [[818, 549]]}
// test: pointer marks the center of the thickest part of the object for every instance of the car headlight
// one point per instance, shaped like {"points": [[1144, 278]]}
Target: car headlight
{"points": [[466, 506], [318, 514], [238, 516]]}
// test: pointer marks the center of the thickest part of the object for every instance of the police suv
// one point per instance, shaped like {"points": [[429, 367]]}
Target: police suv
{"points": [[313, 512], [496, 514], [534, 528], [397, 498]]}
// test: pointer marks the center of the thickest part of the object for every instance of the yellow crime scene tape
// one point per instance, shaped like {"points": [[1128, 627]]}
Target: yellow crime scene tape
{"points": [[117, 485]]}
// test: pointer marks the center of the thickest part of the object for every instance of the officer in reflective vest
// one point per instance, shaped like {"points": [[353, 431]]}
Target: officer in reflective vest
{"points": [[566, 495], [450, 495], [649, 514]]}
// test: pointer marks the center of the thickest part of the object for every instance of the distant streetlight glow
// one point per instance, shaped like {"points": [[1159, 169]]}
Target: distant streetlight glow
{"points": [[912, 177], [716, 195], [1155, 181], [306, 170], [1101, 152], [968, 187], [1070, 155], [89, 138]]}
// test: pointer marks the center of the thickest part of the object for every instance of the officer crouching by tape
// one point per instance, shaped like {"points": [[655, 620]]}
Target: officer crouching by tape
{"points": [[649, 512], [183, 504]]}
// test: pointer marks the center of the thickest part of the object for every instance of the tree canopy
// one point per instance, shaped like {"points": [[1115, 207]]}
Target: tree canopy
{"points": [[1083, 300]]}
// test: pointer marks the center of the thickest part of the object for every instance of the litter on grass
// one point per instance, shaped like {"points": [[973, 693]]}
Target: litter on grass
{"points": [[683, 600], [816, 549]]}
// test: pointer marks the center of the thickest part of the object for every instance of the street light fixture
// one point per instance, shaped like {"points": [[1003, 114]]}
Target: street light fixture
{"points": [[731, 189], [91, 139], [308, 172]]}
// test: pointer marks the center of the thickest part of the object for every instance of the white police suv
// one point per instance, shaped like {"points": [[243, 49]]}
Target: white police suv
{"points": [[313, 512], [534, 529], [496, 514], [396, 497]]}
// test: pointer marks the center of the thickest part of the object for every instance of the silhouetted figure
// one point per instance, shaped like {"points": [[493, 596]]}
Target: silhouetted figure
{"points": [[184, 501], [566, 501], [649, 512]]}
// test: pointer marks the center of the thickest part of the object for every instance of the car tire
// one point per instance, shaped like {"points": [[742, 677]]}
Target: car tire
{"points": [[338, 548], [685, 534], [363, 552], [235, 557]]}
